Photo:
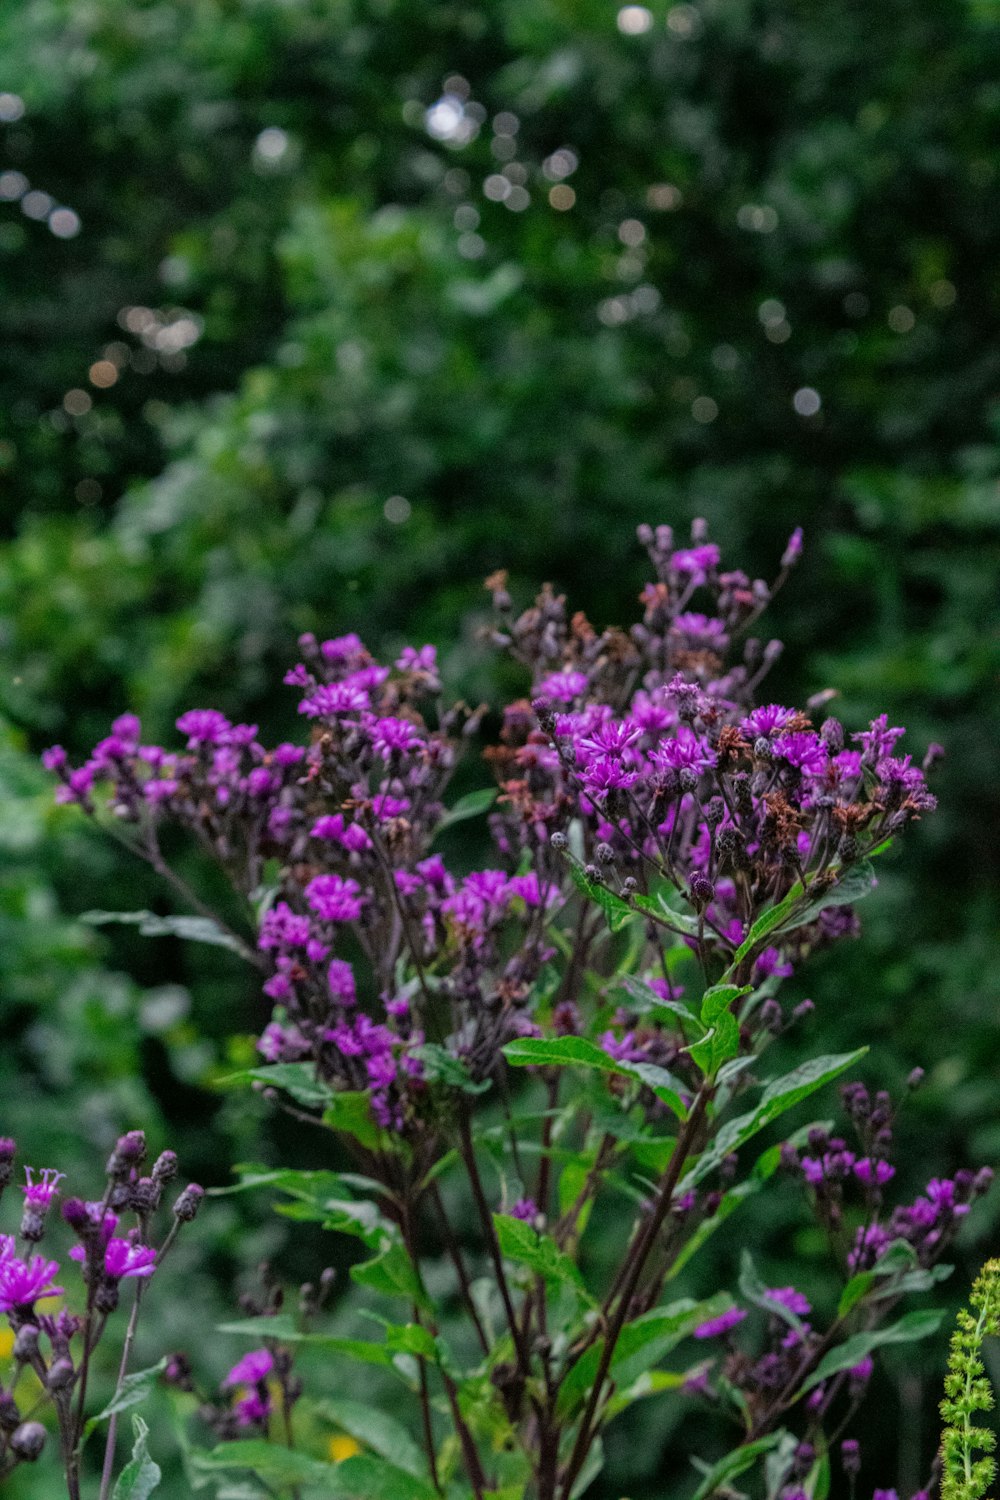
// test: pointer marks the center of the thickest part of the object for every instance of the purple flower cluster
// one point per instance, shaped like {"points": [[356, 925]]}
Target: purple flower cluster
{"points": [[835, 1175], [647, 742], [56, 1342]]}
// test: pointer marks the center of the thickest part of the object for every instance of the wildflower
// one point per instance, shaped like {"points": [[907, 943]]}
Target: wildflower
{"points": [[724, 1323], [24, 1282], [253, 1367], [335, 899]]}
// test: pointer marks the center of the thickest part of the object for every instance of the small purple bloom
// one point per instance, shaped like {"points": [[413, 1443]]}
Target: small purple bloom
{"points": [[252, 1368], [122, 1258], [335, 899], [204, 726], [39, 1195], [715, 1327], [873, 1172], [23, 1282], [787, 1296], [525, 1209]]}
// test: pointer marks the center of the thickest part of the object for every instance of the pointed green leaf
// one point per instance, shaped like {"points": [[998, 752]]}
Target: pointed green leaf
{"points": [[140, 1476], [616, 910], [734, 1464], [521, 1243], [914, 1326], [133, 1390], [472, 805], [191, 929], [377, 1430], [778, 1097]]}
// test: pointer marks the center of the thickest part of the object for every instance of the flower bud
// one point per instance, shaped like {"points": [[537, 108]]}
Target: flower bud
{"points": [[26, 1342], [702, 890], [915, 1079], [558, 841], [60, 1375], [74, 1211], [28, 1440], [128, 1153], [9, 1414], [189, 1202], [850, 1457], [165, 1167]]}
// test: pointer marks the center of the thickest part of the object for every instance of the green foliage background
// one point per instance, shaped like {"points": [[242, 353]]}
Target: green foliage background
{"points": [[770, 195]]}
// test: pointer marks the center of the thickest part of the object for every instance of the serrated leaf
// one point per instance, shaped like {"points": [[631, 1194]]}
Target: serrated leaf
{"points": [[521, 1243], [577, 1051], [140, 1476], [391, 1272], [659, 909], [778, 1098], [734, 1464], [277, 1465], [191, 929], [914, 1326], [859, 881], [133, 1389], [643, 1342]]}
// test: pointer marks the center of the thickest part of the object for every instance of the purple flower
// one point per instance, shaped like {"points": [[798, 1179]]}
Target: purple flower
{"points": [[39, 1195], [122, 1258], [563, 686], [349, 836], [23, 1282], [204, 726], [793, 548], [253, 1367], [862, 1371], [696, 562], [686, 751], [54, 758], [608, 776], [873, 1172], [878, 740], [412, 659], [787, 1296], [391, 737], [331, 699], [252, 1408], [769, 719], [342, 648], [340, 978], [335, 899], [525, 1209], [805, 751], [715, 1327]]}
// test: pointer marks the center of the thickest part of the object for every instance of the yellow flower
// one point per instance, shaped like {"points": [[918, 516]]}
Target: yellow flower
{"points": [[6, 1343], [341, 1446]]}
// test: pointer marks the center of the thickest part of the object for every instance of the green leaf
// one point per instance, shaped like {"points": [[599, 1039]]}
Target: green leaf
{"points": [[391, 1272], [659, 909], [577, 1051], [140, 1476], [284, 1467], [642, 1343], [765, 924], [734, 1464], [133, 1390], [442, 1066], [915, 1325], [368, 1478], [539, 1252], [191, 929], [722, 1040], [472, 805], [616, 910], [281, 1328], [298, 1079], [753, 1289], [858, 882], [778, 1097], [350, 1112], [377, 1430], [646, 999]]}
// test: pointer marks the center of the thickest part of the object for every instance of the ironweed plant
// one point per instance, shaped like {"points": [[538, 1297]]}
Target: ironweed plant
{"points": [[585, 1022], [51, 1346]]}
